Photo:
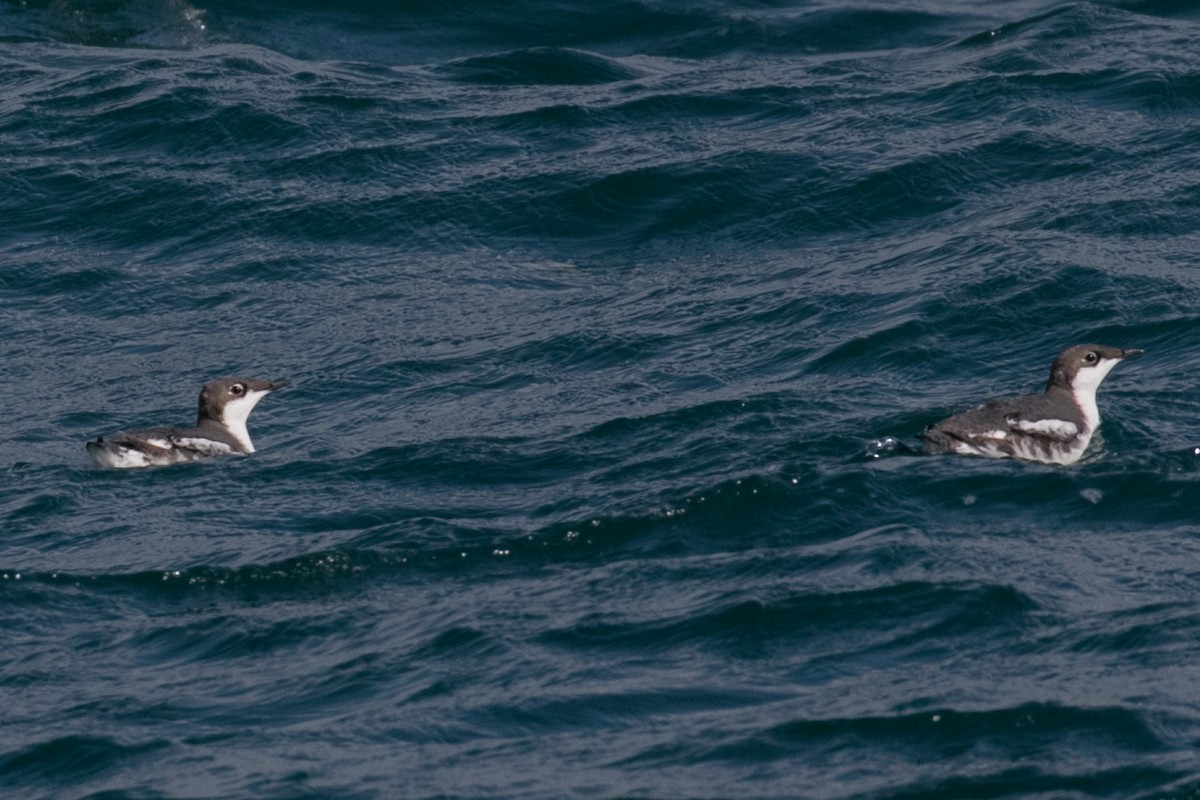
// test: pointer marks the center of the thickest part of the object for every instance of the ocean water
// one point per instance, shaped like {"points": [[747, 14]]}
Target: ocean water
{"points": [[611, 328]]}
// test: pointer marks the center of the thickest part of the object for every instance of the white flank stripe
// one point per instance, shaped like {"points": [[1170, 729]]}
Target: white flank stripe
{"points": [[205, 446], [1058, 428]]}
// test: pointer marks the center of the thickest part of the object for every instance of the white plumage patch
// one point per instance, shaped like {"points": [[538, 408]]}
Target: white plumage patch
{"points": [[205, 447], [118, 457], [237, 412], [983, 446], [1084, 387], [154, 451], [1056, 454], [1058, 428]]}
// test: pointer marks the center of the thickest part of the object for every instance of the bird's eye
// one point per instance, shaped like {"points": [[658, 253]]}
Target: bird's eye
{"points": [[239, 389], [1092, 357]]}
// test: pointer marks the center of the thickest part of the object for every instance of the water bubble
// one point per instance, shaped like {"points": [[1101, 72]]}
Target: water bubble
{"points": [[878, 448]]}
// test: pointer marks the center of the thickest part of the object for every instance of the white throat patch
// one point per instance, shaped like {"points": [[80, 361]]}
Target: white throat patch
{"points": [[235, 414], [1087, 380]]}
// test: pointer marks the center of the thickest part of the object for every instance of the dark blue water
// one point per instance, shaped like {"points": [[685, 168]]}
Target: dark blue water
{"points": [[598, 318]]}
